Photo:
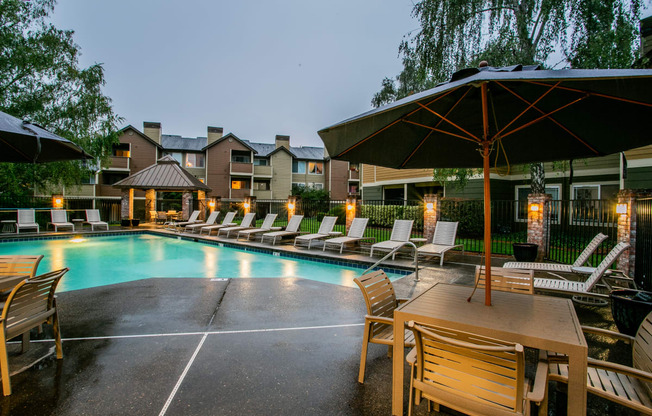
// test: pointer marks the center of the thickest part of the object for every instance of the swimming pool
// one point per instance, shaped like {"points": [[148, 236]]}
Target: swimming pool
{"points": [[100, 261]]}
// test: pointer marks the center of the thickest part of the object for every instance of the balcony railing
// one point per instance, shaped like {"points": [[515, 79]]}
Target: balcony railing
{"points": [[262, 194], [354, 175], [242, 168], [240, 193], [262, 170], [119, 162]]}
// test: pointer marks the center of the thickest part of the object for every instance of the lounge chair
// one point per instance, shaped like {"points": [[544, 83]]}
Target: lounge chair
{"points": [[265, 227], [191, 220], [506, 280], [291, 230], [226, 222], [325, 228], [442, 241], [355, 234], [197, 226], [93, 218], [400, 235], [244, 225], [26, 220], [562, 268], [60, 220]]}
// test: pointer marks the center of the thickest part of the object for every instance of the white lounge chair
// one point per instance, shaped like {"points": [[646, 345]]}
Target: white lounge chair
{"points": [[60, 220], [191, 220], [197, 226], [400, 235], [245, 224], [226, 222], [556, 267], [93, 218], [442, 241], [325, 228], [291, 230], [355, 234], [265, 227], [26, 220]]}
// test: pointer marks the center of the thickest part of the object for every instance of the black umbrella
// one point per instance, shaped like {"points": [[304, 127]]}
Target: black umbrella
{"points": [[22, 141], [499, 116]]}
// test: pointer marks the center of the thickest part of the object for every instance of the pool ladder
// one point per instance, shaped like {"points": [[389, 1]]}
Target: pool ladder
{"points": [[416, 259]]}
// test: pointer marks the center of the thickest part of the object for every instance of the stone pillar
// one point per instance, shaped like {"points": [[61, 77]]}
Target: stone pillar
{"points": [[352, 210], [431, 214], [127, 203], [249, 204], [627, 230], [150, 203], [538, 223], [292, 206], [201, 199], [218, 203], [186, 204]]}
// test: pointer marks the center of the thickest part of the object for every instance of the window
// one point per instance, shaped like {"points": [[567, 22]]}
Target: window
{"points": [[240, 156], [299, 184], [240, 184], [121, 150], [315, 185], [260, 161], [176, 155], [353, 188], [586, 192], [88, 180], [109, 178], [298, 166], [521, 201], [261, 185], [315, 168], [194, 160]]}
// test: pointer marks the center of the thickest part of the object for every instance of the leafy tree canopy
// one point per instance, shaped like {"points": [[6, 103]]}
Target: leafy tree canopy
{"points": [[310, 194], [40, 79]]}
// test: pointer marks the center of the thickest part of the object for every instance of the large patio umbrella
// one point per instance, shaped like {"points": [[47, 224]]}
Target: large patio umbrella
{"points": [[22, 141], [489, 116]]}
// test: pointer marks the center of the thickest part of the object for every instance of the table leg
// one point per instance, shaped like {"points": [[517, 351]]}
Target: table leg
{"points": [[398, 364], [577, 367]]}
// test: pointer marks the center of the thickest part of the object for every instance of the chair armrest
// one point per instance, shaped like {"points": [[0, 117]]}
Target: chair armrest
{"points": [[402, 300], [538, 392], [634, 372], [599, 331], [379, 319]]}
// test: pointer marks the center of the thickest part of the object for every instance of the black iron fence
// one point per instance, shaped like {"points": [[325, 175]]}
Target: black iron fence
{"points": [[382, 215], [643, 263], [109, 208]]}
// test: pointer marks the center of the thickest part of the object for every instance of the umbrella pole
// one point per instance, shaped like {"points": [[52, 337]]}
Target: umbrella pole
{"points": [[487, 196]]}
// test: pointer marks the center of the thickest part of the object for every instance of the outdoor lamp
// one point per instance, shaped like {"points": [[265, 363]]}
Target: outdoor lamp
{"points": [[290, 205], [621, 209], [246, 205], [211, 204], [430, 206], [349, 207], [534, 207], [57, 201]]}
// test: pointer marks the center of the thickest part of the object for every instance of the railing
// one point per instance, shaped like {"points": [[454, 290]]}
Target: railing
{"points": [[416, 259], [261, 170], [382, 215], [241, 168], [118, 162], [643, 263]]}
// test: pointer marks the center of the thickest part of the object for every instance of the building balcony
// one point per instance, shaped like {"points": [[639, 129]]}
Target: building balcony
{"points": [[354, 175], [240, 168], [239, 193], [262, 194], [118, 162], [265, 171]]}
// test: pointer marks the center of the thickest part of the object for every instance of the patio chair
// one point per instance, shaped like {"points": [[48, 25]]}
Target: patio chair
{"points": [[13, 265], [209, 221], [26, 220], [291, 230], [562, 268], [400, 235], [381, 300], [226, 222], [60, 220], [355, 235], [473, 374], [442, 241], [245, 224], [506, 280], [93, 218], [191, 220], [161, 217], [30, 304], [265, 227], [622, 384], [325, 228]]}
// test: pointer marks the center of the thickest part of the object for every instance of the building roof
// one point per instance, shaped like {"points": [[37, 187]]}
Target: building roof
{"points": [[266, 149], [188, 144], [141, 134], [165, 175]]}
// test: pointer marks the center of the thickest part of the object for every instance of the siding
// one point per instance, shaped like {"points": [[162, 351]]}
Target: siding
{"points": [[218, 164], [388, 174], [372, 193], [281, 182], [500, 190], [644, 152], [639, 178], [337, 178]]}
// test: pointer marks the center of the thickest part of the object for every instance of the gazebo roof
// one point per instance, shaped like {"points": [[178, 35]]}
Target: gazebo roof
{"points": [[165, 175]]}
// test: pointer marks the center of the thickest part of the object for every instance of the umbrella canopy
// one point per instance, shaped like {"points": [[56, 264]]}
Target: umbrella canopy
{"points": [[22, 141], [500, 116]]}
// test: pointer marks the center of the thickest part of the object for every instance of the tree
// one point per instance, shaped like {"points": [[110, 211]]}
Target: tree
{"points": [[40, 79]]}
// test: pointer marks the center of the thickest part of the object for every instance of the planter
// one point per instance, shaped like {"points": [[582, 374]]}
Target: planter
{"points": [[629, 307], [130, 222], [135, 222], [525, 251]]}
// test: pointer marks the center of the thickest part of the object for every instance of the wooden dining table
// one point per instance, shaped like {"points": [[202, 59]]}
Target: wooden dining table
{"points": [[543, 322]]}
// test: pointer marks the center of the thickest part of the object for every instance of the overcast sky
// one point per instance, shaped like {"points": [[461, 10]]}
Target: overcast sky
{"points": [[255, 68]]}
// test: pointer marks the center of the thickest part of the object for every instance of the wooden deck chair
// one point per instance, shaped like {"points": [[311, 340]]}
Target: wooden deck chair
{"points": [[209, 221], [442, 241], [265, 227], [381, 300], [30, 304], [93, 218], [60, 220], [226, 222], [627, 386], [472, 373], [355, 235], [191, 220], [400, 235], [562, 268], [291, 230], [245, 224], [506, 280], [13, 265], [26, 220], [325, 228]]}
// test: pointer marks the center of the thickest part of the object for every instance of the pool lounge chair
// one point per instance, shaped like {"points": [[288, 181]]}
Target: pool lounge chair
{"points": [[93, 218], [265, 227], [400, 235], [562, 268], [325, 228], [226, 222], [59, 220], [197, 226], [192, 220], [291, 230], [26, 220], [355, 234], [442, 241], [244, 225]]}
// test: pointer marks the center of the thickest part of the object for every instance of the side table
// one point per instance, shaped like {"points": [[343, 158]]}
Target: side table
{"points": [[8, 226]]}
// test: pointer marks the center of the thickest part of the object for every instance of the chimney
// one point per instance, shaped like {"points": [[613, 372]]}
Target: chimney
{"points": [[214, 134], [153, 130], [282, 141]]}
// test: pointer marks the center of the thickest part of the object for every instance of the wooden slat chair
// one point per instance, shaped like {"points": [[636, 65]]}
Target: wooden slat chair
{"points": [[30, 304], [13, 265], [381, 301], [628, 386], [473, 374], [507, 280]]}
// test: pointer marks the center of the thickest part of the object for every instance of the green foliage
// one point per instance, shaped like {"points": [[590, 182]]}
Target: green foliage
{"points": [[469, 214], [385, 215], [338, 211], [310, 194], [458, 178]]}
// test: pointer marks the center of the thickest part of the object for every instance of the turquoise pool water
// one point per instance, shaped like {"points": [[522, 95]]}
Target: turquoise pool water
{"points": [[100, 261]]}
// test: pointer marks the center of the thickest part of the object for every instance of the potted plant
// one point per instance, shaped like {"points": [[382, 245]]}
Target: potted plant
{"points": [[525, 251], [125, 222], [629, 307]]}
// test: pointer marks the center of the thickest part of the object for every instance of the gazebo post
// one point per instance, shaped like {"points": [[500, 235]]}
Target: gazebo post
{"points": [[186, 202], [127, 203], [201, 199], [150, 201]]}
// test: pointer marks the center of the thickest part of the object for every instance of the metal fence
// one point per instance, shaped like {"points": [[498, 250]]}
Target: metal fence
{"points": [[109, 208], [382, 215], [643, 264]]}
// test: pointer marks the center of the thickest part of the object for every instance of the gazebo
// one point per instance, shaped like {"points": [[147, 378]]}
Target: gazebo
{"points": [[166, 175]]}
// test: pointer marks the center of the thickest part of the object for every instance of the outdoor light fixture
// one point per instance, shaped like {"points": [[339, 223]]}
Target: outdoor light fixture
{"points": [[57, 201], [211, 204], [534, 207], [430, 206], [621, 209], [290, 205], [349, 207], [246, 205]]}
